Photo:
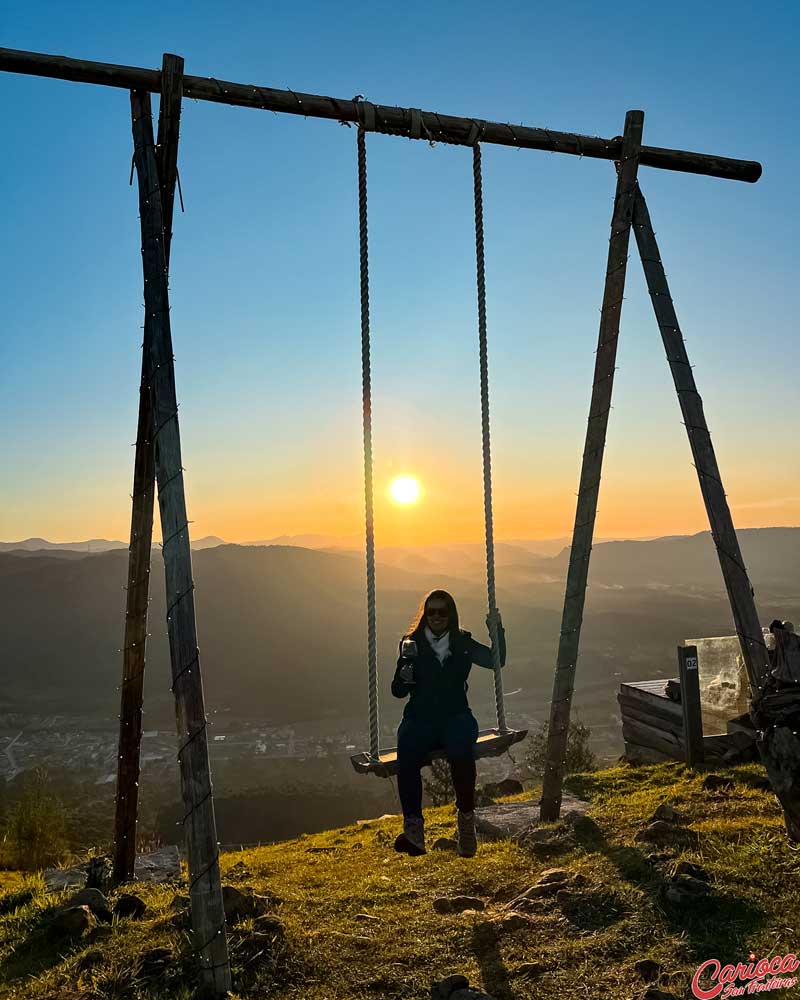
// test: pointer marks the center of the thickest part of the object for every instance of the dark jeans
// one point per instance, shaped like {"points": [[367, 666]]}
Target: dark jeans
{"points": [[417, 737]]}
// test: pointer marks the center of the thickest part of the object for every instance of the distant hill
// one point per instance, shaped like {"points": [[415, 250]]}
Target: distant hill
{"points": [[282, 629], [90, 547], [313, 541], [771, 555], [41, 544], [682, 562]]}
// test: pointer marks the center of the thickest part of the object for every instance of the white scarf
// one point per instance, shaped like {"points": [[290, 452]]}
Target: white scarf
{"points": [[440, 646]]}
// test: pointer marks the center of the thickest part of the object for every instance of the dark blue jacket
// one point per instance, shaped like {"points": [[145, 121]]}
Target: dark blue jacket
{"points": [[441, 688]]}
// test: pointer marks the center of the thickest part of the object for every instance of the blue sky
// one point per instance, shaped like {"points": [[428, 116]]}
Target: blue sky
{"points": [[264, 273]]}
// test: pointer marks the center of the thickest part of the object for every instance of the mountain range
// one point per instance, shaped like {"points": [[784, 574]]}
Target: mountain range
{"points": [[282, 628]]}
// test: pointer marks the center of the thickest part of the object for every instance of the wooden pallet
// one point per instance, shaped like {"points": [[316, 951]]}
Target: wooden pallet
{"points": [[652, 723]]}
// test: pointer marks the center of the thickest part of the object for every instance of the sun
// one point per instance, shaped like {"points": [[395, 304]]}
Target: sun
{"points": [[404, 490]]}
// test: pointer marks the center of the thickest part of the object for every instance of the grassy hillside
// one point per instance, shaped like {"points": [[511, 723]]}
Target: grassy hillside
{"points": [[343, 917]]}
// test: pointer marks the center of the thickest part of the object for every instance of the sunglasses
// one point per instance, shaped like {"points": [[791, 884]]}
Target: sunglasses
{"points": [[437, 613]]}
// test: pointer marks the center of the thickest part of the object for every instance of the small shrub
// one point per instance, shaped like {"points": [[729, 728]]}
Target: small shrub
{"points": [[439, 783], [579, 756], [36, 830]]}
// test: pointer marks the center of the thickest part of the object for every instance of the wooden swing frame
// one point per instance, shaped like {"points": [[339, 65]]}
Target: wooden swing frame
{"points": [[158, 446]]}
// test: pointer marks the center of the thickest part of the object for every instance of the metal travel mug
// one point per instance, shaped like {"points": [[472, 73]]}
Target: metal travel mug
{"points": [[408, 650]]}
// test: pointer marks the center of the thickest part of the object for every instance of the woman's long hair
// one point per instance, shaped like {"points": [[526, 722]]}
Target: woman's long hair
{"points": [[419, 620]]}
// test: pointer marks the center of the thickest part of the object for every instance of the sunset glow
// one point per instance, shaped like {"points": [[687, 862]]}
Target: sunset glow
{"points": [[404, 490]]}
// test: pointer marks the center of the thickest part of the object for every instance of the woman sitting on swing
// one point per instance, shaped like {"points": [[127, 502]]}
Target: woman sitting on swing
{"points": [[434, 663]]}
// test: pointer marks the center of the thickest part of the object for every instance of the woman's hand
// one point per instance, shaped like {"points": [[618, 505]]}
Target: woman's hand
{"points": [[407, 673], [497, 618]]}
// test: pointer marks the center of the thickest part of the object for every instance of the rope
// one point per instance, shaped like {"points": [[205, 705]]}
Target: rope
{"points": [[372, 656], [487, 460]]}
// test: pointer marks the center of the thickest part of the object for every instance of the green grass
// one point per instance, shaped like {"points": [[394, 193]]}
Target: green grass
{"points": [[587, 949]]}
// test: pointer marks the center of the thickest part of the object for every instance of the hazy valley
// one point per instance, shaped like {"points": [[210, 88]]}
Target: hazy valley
{"points": [[282, 632]]}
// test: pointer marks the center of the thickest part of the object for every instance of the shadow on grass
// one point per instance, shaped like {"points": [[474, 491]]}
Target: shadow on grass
{"points": [[41, 948], [594, 910], [494, 974], [14, 900], [720, 925]]}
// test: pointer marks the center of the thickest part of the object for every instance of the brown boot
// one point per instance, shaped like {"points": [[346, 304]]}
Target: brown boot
{"points": [[467, 838], [412, 839]]}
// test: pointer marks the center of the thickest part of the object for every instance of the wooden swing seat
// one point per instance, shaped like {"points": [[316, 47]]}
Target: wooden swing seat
{"points": [[490, 743]]}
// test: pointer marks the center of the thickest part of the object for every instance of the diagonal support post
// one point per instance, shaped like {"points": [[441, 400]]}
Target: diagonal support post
{"points": [[141, 536], [775, 704], [591, 469], [208, 915]]}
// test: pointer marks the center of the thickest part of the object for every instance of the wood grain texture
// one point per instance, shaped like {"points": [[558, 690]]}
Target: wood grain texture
{"points": [[649, 701], [208, 916], [774, 708], [659, 714], [429, 124], [737, 582], [141, 536], [669, 727], [650, 736], [591, 468]]}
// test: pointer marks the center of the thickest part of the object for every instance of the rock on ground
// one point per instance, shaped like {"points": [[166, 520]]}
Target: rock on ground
{"points": [[684, 889], [508, 786], [550, 883], [669, 813], [74, 921], [690, 868], [245, 902], [163, 865], [456, 904], [505, 820], [96, 902], [128, 905], [442, 989], [542, 839], [58, 879], [456, 988], [513, 922], [648, 969], [529, 969], [717, 783], [660, 831]]}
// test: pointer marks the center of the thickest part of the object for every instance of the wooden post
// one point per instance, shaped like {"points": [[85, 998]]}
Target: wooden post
{"points": [[740, 592], [583, 531], [690, 704], [208, 915], [775, 708], [141, 537]]}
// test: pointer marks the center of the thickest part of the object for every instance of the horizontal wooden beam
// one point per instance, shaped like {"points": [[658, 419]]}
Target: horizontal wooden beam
{"points": [[408, 122]]}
